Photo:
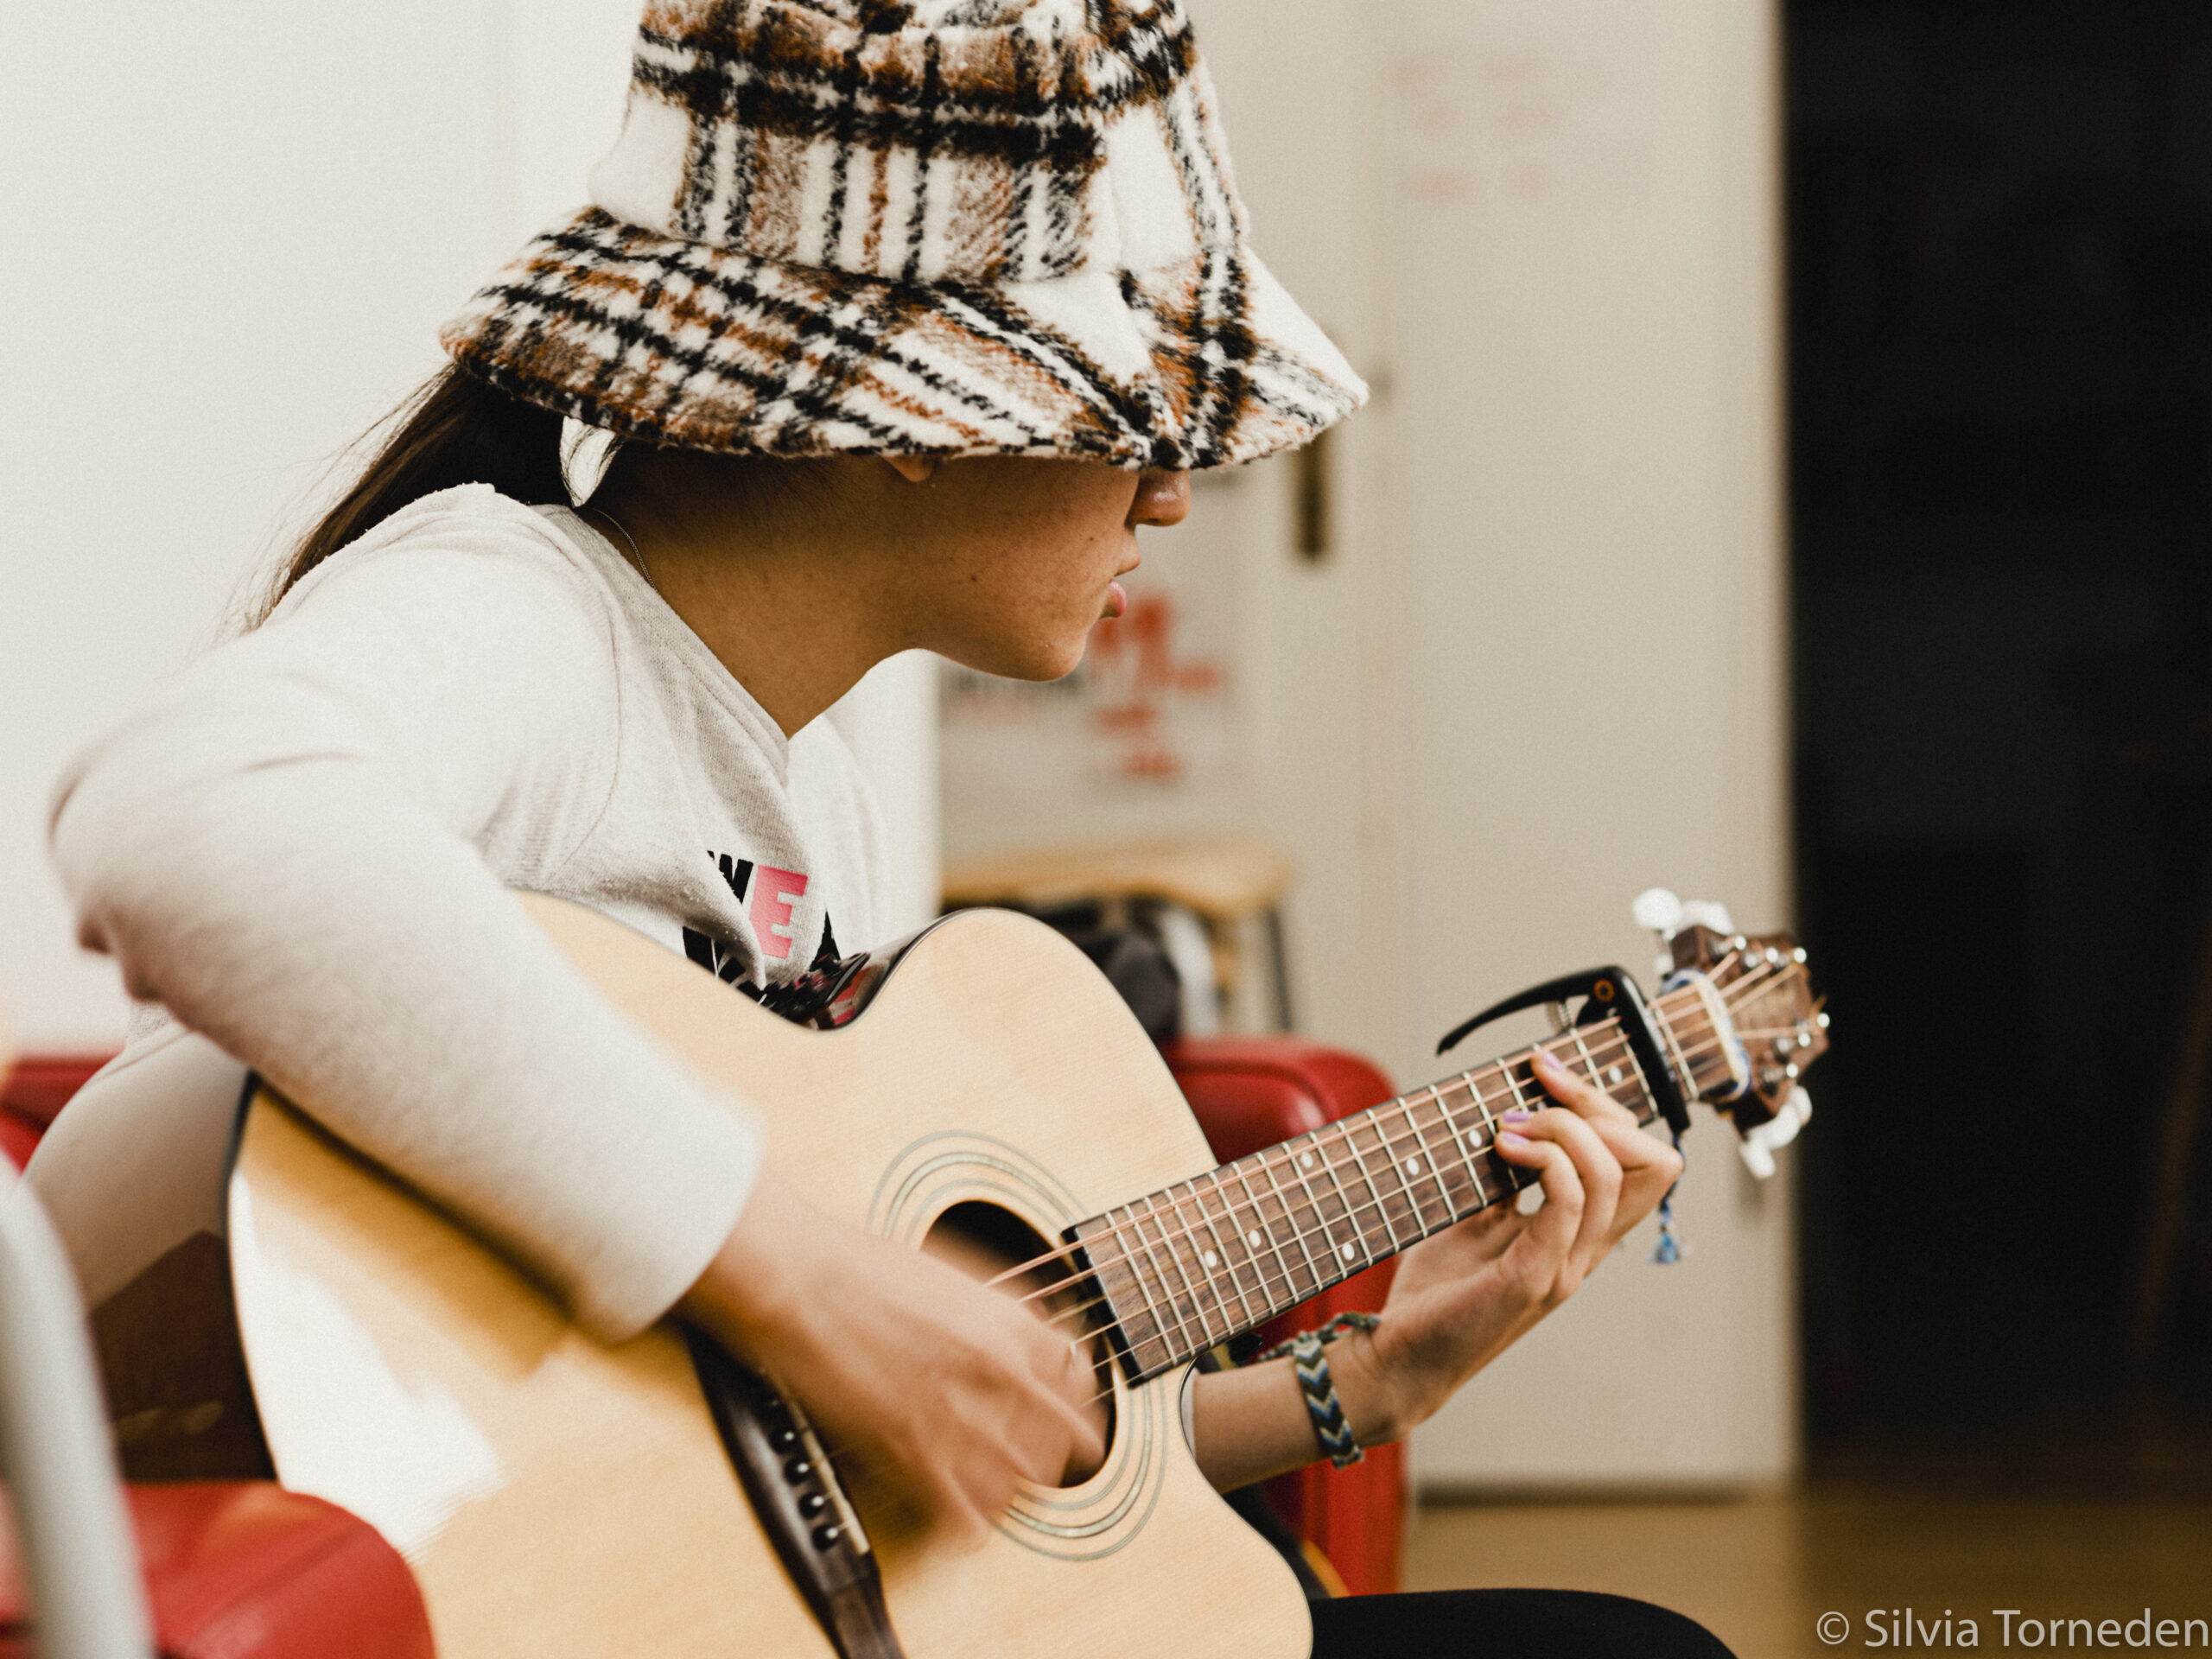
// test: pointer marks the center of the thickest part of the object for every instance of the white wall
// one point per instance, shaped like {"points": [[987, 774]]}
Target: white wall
{"points": [[236, 230]]}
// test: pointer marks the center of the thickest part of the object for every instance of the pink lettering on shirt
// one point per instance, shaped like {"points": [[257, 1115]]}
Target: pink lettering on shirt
{"points": [[774, 893]]}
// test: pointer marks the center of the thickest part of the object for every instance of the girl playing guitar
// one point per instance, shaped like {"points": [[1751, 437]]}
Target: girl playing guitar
{"points": [[891, 323]]}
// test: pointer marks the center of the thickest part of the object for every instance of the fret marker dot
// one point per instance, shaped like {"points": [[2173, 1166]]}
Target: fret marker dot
{"points": [[1613, 1075], [1347, 1251], [1413, 1166], [1253, 1238], [1306, 1160], [1209, 1258]]}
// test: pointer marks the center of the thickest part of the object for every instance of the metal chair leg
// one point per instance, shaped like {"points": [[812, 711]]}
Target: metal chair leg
{"points": [[80, 1560]]}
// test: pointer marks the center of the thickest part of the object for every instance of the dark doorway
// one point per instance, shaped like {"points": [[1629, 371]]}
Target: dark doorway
{"points": [[2000, 291]]}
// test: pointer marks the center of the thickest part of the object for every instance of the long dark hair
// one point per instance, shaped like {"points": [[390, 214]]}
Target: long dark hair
{"points": [[454, 429]]}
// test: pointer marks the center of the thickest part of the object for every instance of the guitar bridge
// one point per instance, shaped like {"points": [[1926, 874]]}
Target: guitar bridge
{"points": [[801, 1504]]}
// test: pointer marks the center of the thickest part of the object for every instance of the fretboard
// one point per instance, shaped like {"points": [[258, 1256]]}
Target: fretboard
{"points": [[1203, 1261]]}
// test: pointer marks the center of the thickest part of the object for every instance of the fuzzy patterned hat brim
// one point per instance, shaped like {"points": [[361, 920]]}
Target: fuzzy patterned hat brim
{"points": [[680, 343], [946, 227]]}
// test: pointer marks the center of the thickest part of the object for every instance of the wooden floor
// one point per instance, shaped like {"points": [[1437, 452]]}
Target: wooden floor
{"points": [[1759, 1573]]}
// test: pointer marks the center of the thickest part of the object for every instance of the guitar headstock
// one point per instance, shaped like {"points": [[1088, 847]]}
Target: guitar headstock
{"points": [[1764, 988]]}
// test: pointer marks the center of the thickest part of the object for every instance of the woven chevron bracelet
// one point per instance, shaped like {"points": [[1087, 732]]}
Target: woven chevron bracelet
{"points": [[1308, 1352]]}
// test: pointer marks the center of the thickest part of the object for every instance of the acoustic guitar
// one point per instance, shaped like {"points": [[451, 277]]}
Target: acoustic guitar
{"points": [[555, 1496]]}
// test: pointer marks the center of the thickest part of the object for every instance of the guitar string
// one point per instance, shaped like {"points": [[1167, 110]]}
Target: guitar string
{"points": [[1272, 1279], [1613, 1045], [1148, 1250], [1267, 1277], [1759, 981], [1077, 1345], [1764, 978], [1378, 1201], [1289, 1200]]}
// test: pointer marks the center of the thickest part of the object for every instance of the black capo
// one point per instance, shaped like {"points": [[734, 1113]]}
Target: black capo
{"points": [[1608, 991]]}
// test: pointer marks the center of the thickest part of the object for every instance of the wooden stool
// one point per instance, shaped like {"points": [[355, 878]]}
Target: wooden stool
{"points": [[1216, 901]]}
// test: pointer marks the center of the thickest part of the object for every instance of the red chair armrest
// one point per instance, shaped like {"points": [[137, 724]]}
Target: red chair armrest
{"points": [[245, 1570]]}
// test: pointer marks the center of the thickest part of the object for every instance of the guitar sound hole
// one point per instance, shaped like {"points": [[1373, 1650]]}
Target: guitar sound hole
{"points": [[983, 1241]]}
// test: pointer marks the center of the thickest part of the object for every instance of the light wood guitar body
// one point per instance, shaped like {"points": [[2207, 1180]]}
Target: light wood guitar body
{"points": [[558, 1497]]}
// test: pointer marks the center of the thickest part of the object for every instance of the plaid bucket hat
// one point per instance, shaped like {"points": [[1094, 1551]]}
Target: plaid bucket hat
{"points": [[943, 226]]}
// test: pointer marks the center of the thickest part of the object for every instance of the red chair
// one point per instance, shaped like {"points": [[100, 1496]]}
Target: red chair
{"points": [[30, 1097], [1251, 1092], [232, 1570], [246, 1570]]}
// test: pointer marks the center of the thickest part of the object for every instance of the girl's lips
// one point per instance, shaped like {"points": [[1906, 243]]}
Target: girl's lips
{"points": [[1116, 600]]}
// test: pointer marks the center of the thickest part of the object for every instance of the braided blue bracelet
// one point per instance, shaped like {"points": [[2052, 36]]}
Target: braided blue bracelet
{"points": [[1309, 1357]]}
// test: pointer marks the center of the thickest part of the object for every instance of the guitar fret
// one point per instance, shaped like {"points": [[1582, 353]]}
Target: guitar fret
{"points": [[1459, 1139], [1128, 1263], [1197, 1307], [1388, 1145], [1511, 1172], [1482, 1105], [1257, 1231], [1192, 1270], [1220, 1247], [1429, 1168], [1444, 1168], [1163, 1249], [1615, 1079], [1339, 1252], [1589, 1064], [1298, 1232], [1262, 1230], [1505, 1071], [1383, 1209]]}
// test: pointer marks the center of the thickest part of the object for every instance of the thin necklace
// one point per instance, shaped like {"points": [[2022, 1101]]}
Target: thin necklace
{"points": [[636, 555]]}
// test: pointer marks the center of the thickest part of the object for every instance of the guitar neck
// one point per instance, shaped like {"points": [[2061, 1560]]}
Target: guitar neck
{"points": [[1203, 1261]]}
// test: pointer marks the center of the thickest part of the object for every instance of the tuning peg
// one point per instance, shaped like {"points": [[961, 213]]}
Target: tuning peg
{"points": [[1760, 1143], [1708, 912], [1657, 909]]}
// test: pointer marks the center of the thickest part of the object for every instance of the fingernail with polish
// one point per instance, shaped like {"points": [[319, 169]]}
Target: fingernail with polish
{"points": [[1516, 1115], [1507, 1138], [1549, 1061]]}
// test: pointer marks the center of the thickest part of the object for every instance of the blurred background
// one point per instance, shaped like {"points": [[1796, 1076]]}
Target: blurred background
{"points": [[1786, 481]]}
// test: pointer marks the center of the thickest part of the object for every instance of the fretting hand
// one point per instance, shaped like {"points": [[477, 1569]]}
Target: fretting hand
{"points": [[1463, 1297]]}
